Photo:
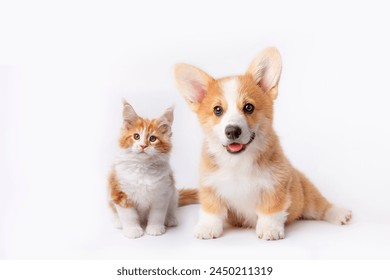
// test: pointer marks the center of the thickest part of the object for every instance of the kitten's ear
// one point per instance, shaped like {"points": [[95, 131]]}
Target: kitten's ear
{"points": [[168, 115], [192, 83], [165, 121], [129, 115], [265, 70]]}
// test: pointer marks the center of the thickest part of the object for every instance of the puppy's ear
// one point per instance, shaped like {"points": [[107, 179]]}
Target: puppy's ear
{"points": [[129, 115], [192, 83], [266, 69], [165, 121]]}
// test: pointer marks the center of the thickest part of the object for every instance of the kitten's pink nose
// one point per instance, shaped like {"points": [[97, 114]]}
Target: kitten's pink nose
{"points": [[143, 147]]}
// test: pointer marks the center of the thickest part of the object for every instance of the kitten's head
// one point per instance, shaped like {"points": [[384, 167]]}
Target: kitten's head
{"points": [[146, 137]]}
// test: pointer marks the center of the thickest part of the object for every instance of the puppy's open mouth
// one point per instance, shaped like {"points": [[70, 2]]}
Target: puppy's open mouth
{"points": [[235, 148]]}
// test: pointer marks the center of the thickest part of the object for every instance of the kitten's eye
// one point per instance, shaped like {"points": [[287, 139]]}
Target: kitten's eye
{"points": [[218, 111], [248, 108], [136, 136], [152, 138]]}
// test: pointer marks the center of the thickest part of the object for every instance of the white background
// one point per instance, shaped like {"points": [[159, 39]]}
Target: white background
{"points": [[64, 67]]}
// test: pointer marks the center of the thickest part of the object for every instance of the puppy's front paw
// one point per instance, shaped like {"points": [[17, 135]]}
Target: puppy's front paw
{"points": [[155, 229], [133, 232], [208, 231], [270, 234], [338, 216], [271, 226]]}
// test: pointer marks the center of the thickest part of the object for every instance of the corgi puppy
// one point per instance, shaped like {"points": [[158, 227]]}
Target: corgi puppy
{"points": [[245, 178]]}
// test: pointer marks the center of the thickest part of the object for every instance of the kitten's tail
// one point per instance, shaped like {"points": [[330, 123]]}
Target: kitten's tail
{"points": [[188, 196]]}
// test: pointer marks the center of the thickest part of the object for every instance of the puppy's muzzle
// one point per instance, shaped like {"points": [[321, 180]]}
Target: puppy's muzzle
{"points": [[232, 132]]}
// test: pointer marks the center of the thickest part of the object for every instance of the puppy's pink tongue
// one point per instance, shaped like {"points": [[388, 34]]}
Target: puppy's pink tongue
{"points": [[235, 147]]}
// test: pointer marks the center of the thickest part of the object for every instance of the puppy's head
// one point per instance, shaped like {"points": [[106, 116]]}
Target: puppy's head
{"points": [[233, 111]]}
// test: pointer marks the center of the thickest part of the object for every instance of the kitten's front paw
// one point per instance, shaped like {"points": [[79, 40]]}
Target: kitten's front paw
{"points": [[338, 216], [171, 221], [133, 232], [208, 231], [155, 229], [116, 223]]}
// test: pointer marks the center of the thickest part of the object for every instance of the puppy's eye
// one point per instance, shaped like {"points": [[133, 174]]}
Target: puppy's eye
{"points": [[136, 136], [218, 111], [152, 138], [248, 108]]}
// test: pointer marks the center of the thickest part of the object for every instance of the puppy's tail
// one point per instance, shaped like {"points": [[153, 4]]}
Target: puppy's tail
{"points": [[188, 196]]}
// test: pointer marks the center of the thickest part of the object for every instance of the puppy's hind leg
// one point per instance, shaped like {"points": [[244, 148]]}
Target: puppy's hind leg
{"points": [[337, 215], [317, 207]]}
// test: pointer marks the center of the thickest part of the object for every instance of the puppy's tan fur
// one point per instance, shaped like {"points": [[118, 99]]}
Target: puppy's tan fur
{"points": [[283, 194]]}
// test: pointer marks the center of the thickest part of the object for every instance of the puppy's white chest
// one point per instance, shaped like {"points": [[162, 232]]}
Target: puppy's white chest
{"points": [[240, 184]]}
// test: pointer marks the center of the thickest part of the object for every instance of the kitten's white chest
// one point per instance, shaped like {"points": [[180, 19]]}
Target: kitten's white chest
{"points": [[138, 174], [143, 182]]}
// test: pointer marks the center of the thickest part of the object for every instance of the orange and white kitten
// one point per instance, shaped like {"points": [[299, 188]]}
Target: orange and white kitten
{"points": [[141, 184]]}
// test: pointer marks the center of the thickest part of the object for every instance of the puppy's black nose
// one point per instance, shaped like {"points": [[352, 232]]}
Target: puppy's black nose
{"points": [[232, 132]]}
